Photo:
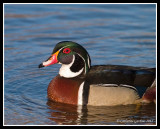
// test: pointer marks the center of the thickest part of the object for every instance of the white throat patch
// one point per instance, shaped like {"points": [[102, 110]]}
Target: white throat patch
{"points": [[66, 72]]}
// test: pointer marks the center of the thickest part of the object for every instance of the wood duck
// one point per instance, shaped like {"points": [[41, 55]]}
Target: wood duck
{"points": [[79, 83]]}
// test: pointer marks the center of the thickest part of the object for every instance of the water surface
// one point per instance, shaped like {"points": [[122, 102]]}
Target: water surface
{"points": [[120, 34]]}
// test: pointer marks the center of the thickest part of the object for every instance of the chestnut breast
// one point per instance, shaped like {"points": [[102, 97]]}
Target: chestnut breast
{"points": [[64, 90]]}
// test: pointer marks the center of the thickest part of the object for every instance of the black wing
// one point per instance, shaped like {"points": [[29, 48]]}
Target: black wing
{"points": [[119, 74]]}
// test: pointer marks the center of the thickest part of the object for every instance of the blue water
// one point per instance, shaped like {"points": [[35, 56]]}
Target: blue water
{"points": [[121, 34]]}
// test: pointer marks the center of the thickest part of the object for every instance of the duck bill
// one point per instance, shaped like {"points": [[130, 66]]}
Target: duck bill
{"points": [[51, 60]]}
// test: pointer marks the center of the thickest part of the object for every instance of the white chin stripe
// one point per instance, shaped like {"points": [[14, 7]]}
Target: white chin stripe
{"points": [[66, 72]]}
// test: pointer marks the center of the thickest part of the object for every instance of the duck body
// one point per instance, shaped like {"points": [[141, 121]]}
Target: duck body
{"points": [[79, 83]]}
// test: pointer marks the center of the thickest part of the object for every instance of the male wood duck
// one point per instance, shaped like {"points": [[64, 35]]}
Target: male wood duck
{"points": [[79, 83]]}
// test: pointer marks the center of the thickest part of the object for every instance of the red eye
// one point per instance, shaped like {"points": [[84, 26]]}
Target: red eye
{"points": [[66, 50]]}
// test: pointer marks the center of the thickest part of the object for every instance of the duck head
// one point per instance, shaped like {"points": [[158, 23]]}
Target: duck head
{"points": [[74, 58]]}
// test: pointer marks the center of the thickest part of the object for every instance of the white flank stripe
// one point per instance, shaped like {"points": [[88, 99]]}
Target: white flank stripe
{"points": [[128, 86], [80, 93], [115, 85]]}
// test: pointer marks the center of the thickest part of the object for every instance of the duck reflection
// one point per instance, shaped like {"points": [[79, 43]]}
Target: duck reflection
{"points": [[65, 114]]}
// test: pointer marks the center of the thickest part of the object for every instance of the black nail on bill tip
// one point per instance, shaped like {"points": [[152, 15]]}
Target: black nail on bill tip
{"points": [[40, 66]]}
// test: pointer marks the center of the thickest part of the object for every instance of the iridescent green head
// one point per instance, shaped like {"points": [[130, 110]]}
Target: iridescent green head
{"points": [[74, 58]]}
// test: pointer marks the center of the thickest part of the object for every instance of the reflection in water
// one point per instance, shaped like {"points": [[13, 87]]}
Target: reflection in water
{"points": [[63, 113], [101, 115]]}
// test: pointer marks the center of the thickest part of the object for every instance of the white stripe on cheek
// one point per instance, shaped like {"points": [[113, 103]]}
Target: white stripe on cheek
{"points": [[66, 72]]}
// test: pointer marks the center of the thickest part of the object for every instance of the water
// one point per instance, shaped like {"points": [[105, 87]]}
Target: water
{"points": [[120, 34]]}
